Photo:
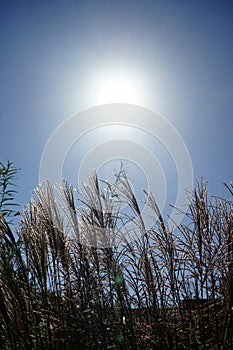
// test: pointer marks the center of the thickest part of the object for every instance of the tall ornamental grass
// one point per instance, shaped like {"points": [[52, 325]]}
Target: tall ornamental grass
{"points": [[88, 270]]}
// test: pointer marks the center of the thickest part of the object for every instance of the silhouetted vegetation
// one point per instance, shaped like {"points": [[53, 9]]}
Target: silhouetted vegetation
{"points": [[8, 191], [84, 272]]}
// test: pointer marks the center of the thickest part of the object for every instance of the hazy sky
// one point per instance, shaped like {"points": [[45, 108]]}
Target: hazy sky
{"points": [[56, 58]]}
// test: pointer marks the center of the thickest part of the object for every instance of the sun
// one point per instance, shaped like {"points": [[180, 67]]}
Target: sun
{"points": [[118, 90], [118, 87]]}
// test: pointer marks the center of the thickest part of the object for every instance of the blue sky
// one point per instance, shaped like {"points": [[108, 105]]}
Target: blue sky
{"points": [[180, 52]]}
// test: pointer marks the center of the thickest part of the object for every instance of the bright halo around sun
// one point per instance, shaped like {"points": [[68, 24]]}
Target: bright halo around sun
{"points": [[118, 87]]}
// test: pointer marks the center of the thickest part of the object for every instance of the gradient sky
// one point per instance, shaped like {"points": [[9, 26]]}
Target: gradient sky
{"points": [[54, 55]]}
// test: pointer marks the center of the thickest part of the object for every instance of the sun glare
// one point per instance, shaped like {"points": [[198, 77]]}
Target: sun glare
{"points": [[118, 87], [117, 90]]}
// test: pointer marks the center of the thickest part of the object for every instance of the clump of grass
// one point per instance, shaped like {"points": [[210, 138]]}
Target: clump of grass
{"points": [[83, 273]]}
